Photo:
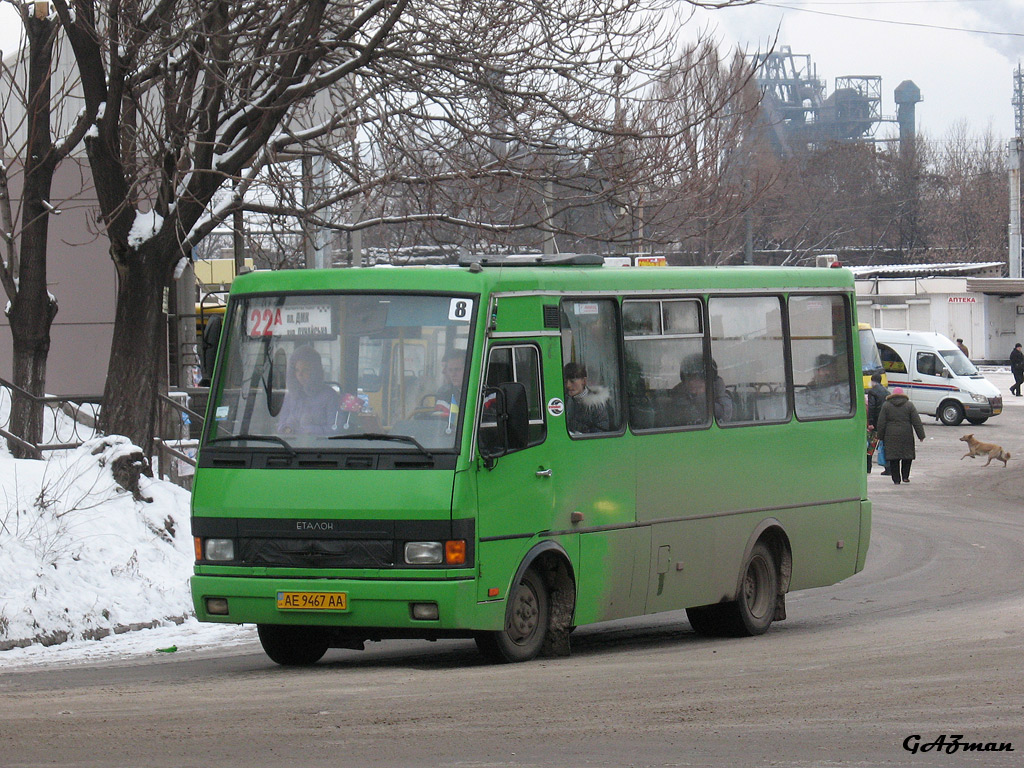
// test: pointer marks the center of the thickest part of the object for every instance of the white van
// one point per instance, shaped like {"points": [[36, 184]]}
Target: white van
{"points": [[937, 377]]}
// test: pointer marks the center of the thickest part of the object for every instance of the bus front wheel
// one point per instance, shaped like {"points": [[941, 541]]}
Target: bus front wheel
{"points": [[293, 646], [526, 623], [753, 610]]}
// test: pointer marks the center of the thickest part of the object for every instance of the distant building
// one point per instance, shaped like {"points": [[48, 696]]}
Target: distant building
{"points": [[971, 301]]}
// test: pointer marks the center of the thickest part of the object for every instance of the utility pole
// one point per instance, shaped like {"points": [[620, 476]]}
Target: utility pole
{"points": [[1014, 166]]}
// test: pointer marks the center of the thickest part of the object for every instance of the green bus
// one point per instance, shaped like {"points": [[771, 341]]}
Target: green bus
{"points": [[511, 448]]}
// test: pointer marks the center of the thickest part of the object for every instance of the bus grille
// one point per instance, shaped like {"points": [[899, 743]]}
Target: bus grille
{"points": [[317, 553]]}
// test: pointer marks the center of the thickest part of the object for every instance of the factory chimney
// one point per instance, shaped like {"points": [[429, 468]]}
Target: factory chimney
{"points": [[907, 95]]}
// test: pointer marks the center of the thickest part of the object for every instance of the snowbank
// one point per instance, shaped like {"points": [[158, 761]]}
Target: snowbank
{"points": [[79, 558]]}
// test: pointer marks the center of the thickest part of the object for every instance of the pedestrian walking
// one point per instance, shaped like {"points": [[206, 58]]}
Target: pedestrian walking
{"points": [[876, 398], [898, 420], [1017, 369]]}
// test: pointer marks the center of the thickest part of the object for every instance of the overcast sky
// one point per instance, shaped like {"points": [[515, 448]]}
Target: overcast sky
{"points": [[949, 48], [961, 53]]}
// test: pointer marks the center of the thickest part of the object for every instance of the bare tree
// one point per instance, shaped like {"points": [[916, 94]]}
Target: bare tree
{"points": [[966, 205], [700, 176], [190, 108], [522, 127], [32, 146], [182, 97]]}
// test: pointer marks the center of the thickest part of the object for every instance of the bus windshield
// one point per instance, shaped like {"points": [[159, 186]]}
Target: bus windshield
{"points": [[342, 372]]}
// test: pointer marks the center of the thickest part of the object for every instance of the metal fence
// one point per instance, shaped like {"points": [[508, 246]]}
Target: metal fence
{"points": [[70, 420], [180, 426]]}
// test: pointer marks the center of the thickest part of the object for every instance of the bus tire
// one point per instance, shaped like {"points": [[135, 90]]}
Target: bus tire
{"points": [[758, 592], [754, 609], [293, 646], [951, 413], [526, 623]]}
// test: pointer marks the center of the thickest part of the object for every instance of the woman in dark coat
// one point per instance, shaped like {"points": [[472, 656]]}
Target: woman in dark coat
{"points": [[897, 422]]}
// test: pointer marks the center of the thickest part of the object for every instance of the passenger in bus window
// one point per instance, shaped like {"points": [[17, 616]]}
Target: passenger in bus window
{"points": [[310, 405], [689, 396], [827, 393], [586, 406]]}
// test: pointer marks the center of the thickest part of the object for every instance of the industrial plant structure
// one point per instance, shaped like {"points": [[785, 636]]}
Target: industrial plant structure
{"points": [[800, 113]]}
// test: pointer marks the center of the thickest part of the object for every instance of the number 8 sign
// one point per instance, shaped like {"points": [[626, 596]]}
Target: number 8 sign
{"points": [[460, 310]]}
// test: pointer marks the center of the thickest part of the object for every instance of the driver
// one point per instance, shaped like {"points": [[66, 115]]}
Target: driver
{"points": [[311, 406], [453, 366]]}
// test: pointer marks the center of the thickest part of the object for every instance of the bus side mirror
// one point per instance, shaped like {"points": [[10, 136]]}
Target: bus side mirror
{"points": [[504, 420]]}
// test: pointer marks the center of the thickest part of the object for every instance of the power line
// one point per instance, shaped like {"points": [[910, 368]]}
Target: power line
{"points": [[919, 24]]}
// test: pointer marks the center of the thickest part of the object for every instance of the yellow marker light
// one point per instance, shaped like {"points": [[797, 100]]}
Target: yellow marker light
{"points": [[455, 552], [199, 547]]}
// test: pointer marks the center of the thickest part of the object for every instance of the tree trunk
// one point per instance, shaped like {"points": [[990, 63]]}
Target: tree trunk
{"points": [[31, 347], [138, 350], [31, 315], [32, 308]]}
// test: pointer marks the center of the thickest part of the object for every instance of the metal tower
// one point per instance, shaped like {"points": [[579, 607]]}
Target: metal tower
{"points": [[1018, 102]]}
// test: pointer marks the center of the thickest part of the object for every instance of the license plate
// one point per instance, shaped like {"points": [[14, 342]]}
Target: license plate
{"points": [[312, 601]]}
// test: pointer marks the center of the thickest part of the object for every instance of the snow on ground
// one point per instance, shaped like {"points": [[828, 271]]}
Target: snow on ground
{"points": [[83, 564]]}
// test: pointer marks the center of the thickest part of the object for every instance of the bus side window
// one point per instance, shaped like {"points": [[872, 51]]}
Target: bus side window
{"points": [[821, 357], [590, 356], [747, 346], [666, 370], [521, 364]]}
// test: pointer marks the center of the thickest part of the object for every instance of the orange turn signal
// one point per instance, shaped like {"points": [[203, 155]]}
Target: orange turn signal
{"points": [[455, 552], [493, 592], [199, 547]]}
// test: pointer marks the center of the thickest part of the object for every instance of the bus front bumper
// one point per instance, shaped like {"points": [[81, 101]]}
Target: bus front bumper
{"points": [[376, 603]]}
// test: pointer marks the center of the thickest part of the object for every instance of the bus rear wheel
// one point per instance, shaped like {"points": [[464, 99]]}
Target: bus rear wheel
{"points": [[293, 646], [526, 623], [758, 592], [753, 611]]}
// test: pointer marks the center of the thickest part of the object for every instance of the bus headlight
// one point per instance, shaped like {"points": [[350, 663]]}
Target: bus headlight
{"points": [[220, 549], [424, 552]]}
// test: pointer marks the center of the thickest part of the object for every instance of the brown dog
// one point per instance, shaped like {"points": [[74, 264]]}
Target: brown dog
{"points": [[978, 448]]}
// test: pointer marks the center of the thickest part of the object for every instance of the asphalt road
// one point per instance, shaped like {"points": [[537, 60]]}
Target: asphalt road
{"points": [[927, 641]]}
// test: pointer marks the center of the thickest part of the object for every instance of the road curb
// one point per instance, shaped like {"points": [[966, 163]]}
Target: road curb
{"points": [[56, 637]]}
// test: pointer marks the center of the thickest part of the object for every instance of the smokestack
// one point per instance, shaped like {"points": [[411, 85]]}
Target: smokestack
{"points": [[907, 94]]}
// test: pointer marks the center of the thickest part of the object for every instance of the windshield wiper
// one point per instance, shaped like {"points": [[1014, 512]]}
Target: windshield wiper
{"points": [[263, 438], [382, 436]]}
